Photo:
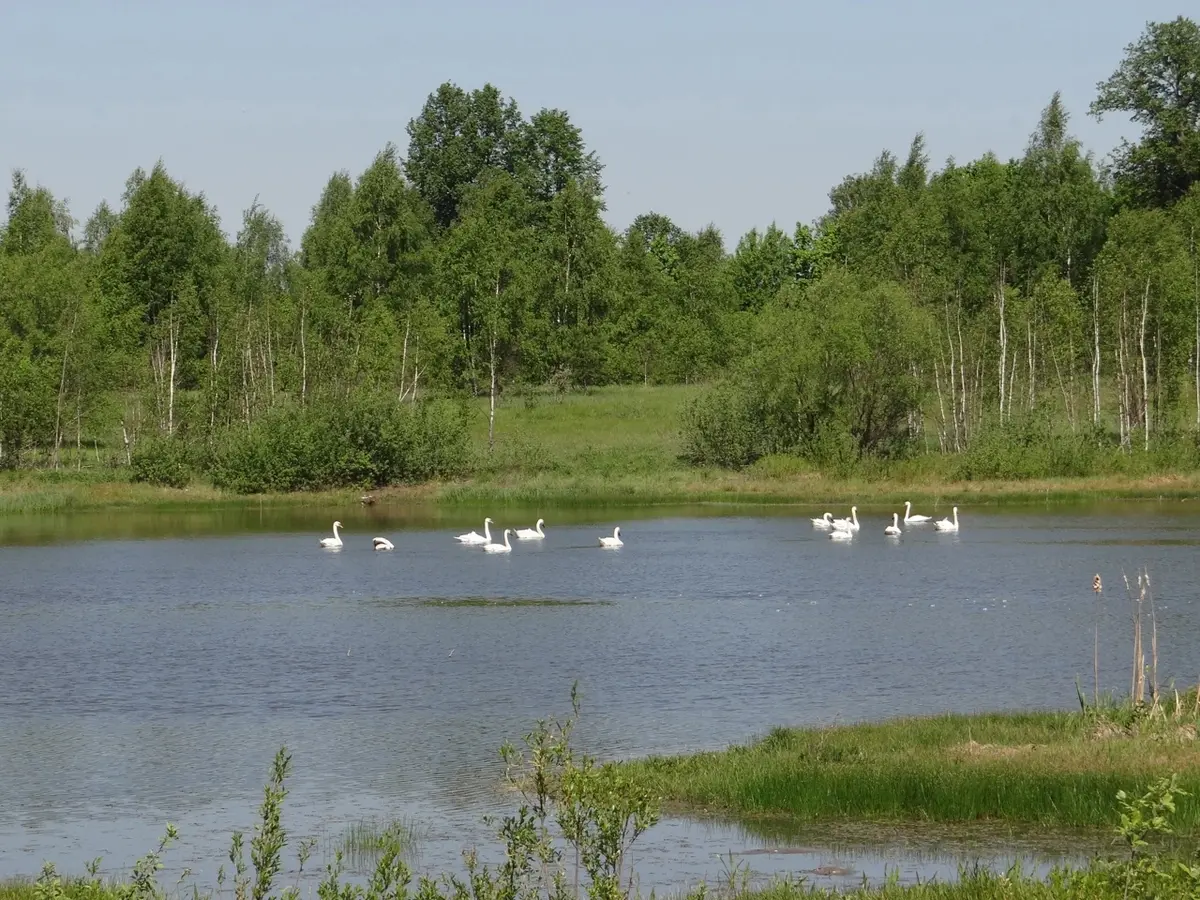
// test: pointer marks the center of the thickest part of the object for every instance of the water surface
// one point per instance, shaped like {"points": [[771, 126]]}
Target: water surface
{"points": [[152, 663]]}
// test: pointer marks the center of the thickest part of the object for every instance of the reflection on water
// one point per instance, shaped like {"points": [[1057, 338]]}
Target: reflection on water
{"points": [[152, 664]]}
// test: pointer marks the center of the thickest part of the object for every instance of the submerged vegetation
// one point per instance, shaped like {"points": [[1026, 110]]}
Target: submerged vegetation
{"points": [[994, 321]]}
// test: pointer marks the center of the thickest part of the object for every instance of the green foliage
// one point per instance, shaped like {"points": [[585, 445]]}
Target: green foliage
{"points": [[162, 461], [1158, 85], [834, 376], [359, 442]]}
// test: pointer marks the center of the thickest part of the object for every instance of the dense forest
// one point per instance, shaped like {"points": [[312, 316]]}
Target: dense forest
{"points": [[1049, 301]]}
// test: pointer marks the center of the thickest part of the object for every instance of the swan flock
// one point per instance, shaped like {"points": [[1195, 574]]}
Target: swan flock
{"points": [[838, 529], [845, 529], [475, 539]]}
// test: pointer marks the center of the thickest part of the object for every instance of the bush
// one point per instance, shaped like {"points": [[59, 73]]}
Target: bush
{"points": [[719, 430], [361, 442], [161, 461]]}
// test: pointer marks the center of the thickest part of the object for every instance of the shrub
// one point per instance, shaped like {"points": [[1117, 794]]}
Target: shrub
{"points": [[361, 442], [719, 429], [161, 461]]}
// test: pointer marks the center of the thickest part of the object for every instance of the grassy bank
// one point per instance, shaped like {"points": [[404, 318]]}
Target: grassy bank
{"points": [[616, 446], [1051, 769]]}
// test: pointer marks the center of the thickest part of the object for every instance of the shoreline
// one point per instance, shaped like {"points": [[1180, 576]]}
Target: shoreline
{"points": [[50, 492]]}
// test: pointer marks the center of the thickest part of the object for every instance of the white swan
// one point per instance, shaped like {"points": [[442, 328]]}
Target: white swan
{"points": [[946, 524], [383, 544], [474, 537], [335, 542], [825, 522], [894, 528], [614, 541], [841, 534], [506, 547], [532, 534], [908, 517], [850, 524]]}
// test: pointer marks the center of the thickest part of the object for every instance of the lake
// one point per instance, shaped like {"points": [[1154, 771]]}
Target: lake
{"points": [[152, 663]]}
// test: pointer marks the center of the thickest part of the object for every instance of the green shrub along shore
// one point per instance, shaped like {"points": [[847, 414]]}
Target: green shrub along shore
{"points": [[610, 446], [1130, 769]]}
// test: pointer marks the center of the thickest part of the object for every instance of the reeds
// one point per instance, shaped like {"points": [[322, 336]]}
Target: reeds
{"points": [[364, 841]]}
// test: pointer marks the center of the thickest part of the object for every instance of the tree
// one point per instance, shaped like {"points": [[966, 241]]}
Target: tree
{"points": [[761, 265], [1158, 85], [484, 268], [35, 218], [161, 273], [455, 139], [1145, 293], [1060, 202], [552, 155]]}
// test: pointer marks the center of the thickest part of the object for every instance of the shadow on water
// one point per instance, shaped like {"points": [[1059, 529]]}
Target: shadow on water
{"points": [[31, 529], [477, 602], [252, 517]]}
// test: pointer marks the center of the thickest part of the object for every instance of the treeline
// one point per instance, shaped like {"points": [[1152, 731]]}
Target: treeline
{"points": [[946, 310], [1037, 316]]}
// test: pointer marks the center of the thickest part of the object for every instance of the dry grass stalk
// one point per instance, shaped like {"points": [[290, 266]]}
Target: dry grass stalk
{"points": [[1154, 692], [1137, 687], [1098, 588]]}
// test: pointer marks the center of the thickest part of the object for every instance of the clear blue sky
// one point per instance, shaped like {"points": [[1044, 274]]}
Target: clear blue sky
{"points": [[731, 113]]}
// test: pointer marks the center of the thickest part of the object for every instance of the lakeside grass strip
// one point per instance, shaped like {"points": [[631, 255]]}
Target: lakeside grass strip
{"points": [[1038, 768], [616, 447], [33, 494]]}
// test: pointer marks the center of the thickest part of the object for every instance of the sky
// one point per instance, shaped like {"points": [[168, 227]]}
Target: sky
{"points": [[731, 114]]}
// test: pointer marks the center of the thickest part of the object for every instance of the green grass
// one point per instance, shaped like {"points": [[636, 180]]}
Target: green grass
{"points": [[614, 446], [1046, 769]]}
